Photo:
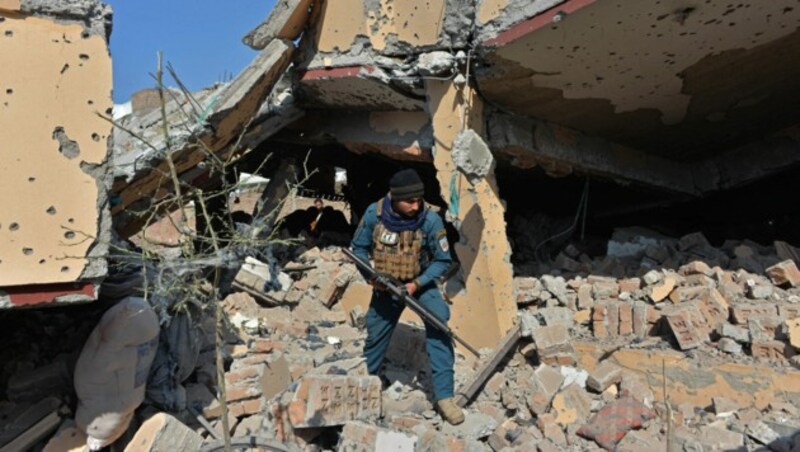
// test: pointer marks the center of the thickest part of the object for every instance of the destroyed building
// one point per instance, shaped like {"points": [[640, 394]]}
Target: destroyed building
{"points": [[615, 178]]}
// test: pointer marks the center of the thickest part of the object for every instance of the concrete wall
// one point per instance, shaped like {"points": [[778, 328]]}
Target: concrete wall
{"points": [[54, 219]]}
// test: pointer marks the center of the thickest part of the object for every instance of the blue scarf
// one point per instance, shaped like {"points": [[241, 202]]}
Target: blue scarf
{"points": [[398, 223]]}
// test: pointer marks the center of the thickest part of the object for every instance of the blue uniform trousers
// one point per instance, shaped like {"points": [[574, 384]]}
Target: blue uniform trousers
{"points": [[382, 317]]}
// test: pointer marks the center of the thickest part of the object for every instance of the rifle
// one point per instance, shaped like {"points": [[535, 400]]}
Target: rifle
{"points": [[398, 289]]}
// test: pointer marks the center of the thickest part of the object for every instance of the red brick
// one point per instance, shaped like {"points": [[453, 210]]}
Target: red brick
{"points": [[742, 312], [613, 319], [685, 330], [625, 319], [329, 400], [788, 312], [661, 291], [246, 407], [250, 373], [236, 393], [263, 346], [630, 285], [772, 350]]}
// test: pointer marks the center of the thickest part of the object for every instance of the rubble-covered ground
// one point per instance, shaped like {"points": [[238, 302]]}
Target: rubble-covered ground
{"points": [[604, 342]]}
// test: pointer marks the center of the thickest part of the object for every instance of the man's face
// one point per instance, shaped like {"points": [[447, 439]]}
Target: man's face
{"points": [[408, 207], [318, 205]]}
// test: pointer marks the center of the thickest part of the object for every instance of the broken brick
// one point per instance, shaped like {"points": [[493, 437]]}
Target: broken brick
{"points": [[625, 319], [685, 330], [163, 432], [547, 380], [793, 328], [358, 436], [661, 291], [571, 405], [609, 425], [554, 345], [605, 375], [784, 273]]}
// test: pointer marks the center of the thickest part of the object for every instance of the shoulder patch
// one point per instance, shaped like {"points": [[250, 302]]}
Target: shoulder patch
{"points": [[441, 234], [443, 244]]}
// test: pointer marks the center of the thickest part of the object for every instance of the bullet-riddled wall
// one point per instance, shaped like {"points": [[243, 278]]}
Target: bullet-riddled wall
{"points": [[56, 78]]}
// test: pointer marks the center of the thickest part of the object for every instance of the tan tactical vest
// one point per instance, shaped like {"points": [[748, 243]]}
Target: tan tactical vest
{"points": [[397, 253]]}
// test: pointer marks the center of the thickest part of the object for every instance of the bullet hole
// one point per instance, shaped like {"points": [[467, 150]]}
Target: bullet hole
{"points": [[13, 227], [109, 111], [9, 33], [64, 68], [68, 148], [85, 35], [90, 102], [83, 56], [95, 137], [31, 179], [42, 261], [69, 235], [2, 19], [51, 210], [64, 269], [9, 91], [71, 220], [27, 251]]}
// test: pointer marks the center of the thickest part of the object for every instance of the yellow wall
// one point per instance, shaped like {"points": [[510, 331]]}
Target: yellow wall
{"points": [[52, 77], [417, 22]]}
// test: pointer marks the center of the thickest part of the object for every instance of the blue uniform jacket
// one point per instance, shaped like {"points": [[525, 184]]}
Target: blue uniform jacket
{"points": [[435, 239]]}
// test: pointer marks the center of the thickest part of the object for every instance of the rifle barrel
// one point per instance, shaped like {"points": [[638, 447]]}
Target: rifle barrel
{"points": [[410, 301]]}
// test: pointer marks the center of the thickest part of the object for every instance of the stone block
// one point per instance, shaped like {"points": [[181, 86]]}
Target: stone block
{"points": [[361, 437], [693, 240], [784, 273], [324, 401], [603, 376], [163, 432]]}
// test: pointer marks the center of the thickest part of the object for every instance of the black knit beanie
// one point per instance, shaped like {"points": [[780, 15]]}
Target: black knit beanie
{"points": [[406, 184]]}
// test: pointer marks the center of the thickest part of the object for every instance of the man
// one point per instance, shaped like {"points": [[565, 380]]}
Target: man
{"points": [[316, 213], [409, 242]]}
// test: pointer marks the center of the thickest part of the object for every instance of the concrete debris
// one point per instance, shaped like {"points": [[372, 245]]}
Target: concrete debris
{"points": [[472, 156]]}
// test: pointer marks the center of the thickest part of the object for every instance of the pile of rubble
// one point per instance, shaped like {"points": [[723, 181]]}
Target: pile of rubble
{"points": [[567, 382], [680, 355]]}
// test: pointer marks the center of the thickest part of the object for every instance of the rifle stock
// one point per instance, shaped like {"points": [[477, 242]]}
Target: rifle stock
{"points": [[397, 289]]}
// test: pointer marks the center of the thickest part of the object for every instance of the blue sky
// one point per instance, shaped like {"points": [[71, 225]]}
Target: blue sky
{"points": [[201, 38]]}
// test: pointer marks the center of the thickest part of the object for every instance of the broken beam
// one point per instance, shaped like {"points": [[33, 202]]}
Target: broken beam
{"points": [[489, 367]]}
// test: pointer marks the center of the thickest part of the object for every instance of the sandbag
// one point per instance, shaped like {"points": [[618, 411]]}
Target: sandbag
{"points": [[112, 370]]}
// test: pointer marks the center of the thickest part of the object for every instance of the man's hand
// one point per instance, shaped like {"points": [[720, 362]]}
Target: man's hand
{"points": [[411, 287]]}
